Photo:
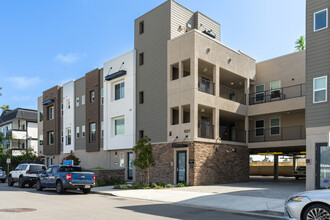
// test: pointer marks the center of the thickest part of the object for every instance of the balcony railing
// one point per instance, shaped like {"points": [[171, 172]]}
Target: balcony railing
{"points": [[205, 85], [233, 95], [232, 134], [277, 134], [205, 131], [278, 94]]}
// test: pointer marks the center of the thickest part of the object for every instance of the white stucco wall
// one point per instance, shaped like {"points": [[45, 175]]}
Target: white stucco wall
{"points": [[123, 107], [32, 130], [68, 115]]}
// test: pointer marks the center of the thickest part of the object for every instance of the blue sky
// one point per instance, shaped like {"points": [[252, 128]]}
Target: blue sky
{"points": [[45, 43]]}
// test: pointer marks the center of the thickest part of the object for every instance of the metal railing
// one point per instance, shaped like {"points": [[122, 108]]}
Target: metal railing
{"points": [[206, 86], [232, 134], [278, 94], [277, 134], [205, 131], [233, 95]]}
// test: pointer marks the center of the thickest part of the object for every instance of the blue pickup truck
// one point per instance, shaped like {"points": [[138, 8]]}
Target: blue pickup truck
{"points": [[64, 177]]}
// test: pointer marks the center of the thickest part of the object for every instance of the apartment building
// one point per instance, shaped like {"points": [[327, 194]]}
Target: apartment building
{"points": [[21, 125], [317, 104]]}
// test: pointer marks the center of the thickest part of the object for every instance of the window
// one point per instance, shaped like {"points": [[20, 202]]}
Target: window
{"points": [[141, 134], [102, 129], [41, 116], [141, 27], [175, 116], [77, 102], [68, 104], [141, 59], [320, 89], [141, 97], [260, 125], [62, 136], [83, 100], [77, 131], [61, 109], [122, 160], [92, 132], [119, 126], [260, 93], [175, 71], [321, 20], [275, 90], [92, 95], [83, 131], [186, 68], [41, 139], [68, 136], [102, 97], [186, 114], [274, 126], [120, 91], [51, 138], [51, 113]]}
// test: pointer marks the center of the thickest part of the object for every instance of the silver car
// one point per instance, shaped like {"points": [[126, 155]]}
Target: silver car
{"points": [[309, 205]]}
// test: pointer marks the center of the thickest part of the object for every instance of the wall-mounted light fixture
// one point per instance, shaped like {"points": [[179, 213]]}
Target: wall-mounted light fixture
{"points": [[203, 110], [229, 61], [208, 50]]}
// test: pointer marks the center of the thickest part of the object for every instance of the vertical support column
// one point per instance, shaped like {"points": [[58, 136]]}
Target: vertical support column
{"points": [[294, 161], [194, 106], [216, 80], [216, 122], [246, 126], [247, 90], [275, 167]]}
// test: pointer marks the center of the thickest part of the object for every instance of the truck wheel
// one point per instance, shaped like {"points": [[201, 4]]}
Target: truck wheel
{"points": [[38, 186], [59, 187], [10, 181], [21, 182], [86, 191]]}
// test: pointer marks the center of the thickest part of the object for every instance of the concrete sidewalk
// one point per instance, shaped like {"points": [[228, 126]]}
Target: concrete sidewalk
{"points": [[244, 197]]}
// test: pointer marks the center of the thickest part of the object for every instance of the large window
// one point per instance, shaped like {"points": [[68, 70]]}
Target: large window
{"points": [[62, 136], [260, 125], [68, 136], [68, 104], [119, 126], [102, 129], [92, 96], [320, 89], [77, 101], [83, 131], [120, 91], [77, 131], [51, 138], [274, 126], [102, 96], [92, 132], [83, 100], [321, 20], [275, 90], [141, 59], [141, 27], [41, 139], [51, 113], [141, 97]]}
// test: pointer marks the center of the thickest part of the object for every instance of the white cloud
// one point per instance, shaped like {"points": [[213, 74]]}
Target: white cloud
{"points": [[70, 57], [23, 82]]}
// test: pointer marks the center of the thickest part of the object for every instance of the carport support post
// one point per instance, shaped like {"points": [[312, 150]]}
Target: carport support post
{"points": [[294, 163], [275, 167]]}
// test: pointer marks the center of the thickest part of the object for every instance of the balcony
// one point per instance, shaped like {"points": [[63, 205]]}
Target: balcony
{"points": [[277, 134], [205, 85], [232, 134], [19, 134], [232, 94], [205, 131], [278, 94]]}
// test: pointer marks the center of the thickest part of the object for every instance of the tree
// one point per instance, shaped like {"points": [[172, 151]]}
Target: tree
{"points": [[5, 107], [71, 156], [300, 43], [4, 138], [144, 157]]}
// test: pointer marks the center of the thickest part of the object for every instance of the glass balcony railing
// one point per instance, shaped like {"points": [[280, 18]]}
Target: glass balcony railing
{"points": [[205, 131], [232, 134], [233, 95], [205, 85]]}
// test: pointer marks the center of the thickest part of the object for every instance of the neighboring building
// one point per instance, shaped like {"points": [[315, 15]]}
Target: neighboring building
{"points": [[317, 103], [40, 128], [21, 125]]}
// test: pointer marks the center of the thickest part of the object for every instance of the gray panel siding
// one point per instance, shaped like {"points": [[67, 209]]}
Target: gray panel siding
{"points": [[207, 23], [80, 113], [180, 16], [317, 64], [151, 77]]}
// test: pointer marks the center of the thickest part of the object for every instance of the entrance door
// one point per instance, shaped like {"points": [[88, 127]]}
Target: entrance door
{"points": [[130, 166], [181, 166], [322, 166]]}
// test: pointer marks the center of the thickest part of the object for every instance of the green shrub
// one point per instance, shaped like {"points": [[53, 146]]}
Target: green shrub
{"points": [[182, 184], [124, 187], [117, 187], [169, 186], [137, 185], [98, 168], [99, 183]]}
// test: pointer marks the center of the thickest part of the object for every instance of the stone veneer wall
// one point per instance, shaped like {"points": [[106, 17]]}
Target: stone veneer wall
{"points": [[116, 174], [211, 166]]}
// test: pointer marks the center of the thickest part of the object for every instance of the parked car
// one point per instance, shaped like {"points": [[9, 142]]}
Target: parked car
{"points": [[309, 205], [300, 172], [26, 173], [64, 177], [2, 175]]}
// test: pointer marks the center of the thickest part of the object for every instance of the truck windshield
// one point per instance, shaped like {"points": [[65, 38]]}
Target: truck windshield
{"points": [[70, 169]]}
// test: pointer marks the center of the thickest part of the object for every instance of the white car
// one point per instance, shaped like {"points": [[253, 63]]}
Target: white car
{"points": [[25, 174], [300, 172], [309, 205]]}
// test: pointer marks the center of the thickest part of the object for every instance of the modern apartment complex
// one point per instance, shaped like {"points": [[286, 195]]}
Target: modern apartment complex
{"points": [[21, 125], [205, 106]]}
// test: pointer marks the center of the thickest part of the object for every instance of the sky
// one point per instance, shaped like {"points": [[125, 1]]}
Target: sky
{"points": [[47, 43]]}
